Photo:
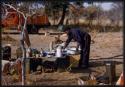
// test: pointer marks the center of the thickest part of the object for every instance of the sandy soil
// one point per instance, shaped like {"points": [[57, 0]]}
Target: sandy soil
{"points": [[107, 46]]}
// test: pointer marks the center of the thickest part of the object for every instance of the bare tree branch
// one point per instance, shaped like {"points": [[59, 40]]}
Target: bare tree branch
{"points": [[24, 38]]}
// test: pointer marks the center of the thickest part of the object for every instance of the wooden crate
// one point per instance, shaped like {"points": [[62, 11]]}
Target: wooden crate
{"points": [[74, 60]]}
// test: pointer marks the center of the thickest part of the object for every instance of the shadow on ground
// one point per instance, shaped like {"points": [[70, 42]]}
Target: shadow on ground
{"points": [[99, 63]]}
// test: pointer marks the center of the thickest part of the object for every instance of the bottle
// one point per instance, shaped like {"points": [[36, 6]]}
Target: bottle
{"points": [[42, 53], [51, 46], [28, 53]]}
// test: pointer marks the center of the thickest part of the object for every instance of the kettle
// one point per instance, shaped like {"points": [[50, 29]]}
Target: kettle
{"points": [[59, 51]]}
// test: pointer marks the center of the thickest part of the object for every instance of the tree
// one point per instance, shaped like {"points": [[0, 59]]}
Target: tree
{"points": [[24, 38], [117, 12], [91, 14], [63, 14], [53, 8], [76, 10]]}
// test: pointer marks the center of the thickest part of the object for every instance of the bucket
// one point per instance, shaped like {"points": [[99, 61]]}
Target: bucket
{"points": [[6, 52]]}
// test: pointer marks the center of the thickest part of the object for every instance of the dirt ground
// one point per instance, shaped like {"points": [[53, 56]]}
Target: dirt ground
{"points": [[106, 47]]}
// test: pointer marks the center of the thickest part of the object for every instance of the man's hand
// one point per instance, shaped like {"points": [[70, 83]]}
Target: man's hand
{"points": [[77, 49], [63, 45]]}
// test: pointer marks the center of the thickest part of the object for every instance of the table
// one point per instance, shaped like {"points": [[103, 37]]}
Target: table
{"points": [[53, 62]]}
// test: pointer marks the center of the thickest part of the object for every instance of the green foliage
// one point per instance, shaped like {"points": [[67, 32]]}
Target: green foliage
{"points": [[79, 2], [54, 7]]}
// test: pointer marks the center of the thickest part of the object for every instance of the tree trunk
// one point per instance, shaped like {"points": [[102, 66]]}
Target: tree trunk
{"points": [[63, 15]]}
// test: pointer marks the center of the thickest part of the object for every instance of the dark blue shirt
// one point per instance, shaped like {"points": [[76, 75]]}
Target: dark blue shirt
{"points": [[77, 35]]}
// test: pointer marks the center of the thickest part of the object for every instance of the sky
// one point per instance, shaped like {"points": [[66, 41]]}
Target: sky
{"points": [[104, 5]]}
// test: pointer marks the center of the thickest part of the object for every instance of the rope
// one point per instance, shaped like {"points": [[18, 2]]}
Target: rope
{"points": [[69, 68]]}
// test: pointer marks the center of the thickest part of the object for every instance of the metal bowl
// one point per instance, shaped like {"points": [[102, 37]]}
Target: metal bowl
{"points": [[71, 50]]}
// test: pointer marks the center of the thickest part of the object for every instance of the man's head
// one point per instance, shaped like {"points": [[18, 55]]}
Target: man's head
{"points": [[66, 29]]}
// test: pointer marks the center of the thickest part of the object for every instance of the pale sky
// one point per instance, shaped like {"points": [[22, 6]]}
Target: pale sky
{"points": [[104, 5]]}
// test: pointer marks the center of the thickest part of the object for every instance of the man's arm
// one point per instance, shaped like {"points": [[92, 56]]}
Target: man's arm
{"points": [[68, 40], [77, 47]]}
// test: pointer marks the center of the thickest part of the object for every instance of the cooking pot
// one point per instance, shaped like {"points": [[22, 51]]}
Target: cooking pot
{"points": [[71, 50]]}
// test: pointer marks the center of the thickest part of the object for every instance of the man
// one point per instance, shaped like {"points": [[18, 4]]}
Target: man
{"points": [[83, 39]]}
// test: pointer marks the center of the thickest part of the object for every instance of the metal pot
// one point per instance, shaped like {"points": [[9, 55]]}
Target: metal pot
{"points": [[71, 50]]}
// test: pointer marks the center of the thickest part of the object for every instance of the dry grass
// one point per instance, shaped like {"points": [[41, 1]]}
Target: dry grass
{"points": [[8, 38], [93, 34], [106, 45]]}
